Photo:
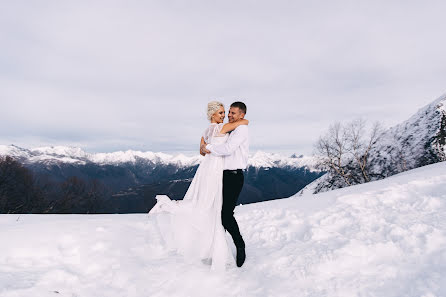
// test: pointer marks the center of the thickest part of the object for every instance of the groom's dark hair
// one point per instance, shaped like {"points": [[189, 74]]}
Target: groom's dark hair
{"points": [[239, 105]]}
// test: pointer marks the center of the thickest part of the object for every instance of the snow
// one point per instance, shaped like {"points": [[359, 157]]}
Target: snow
{"points": [[269, 160], [384, 238], [121, 157], [15, 151], [311, 187], [52, 159], [73, 152], [441, 103]]}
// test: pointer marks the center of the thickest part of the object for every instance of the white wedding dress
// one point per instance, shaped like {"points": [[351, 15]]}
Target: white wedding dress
{"points": [[192, 226]]}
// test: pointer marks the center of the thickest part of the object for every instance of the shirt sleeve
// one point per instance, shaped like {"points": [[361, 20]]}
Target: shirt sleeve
{"points": [[227, 148]]}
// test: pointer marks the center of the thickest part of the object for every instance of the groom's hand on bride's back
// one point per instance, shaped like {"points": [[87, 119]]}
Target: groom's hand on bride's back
{"points": [[204, 150], [203, 145]]}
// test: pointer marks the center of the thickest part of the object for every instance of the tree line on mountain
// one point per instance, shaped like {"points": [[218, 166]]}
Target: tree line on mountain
{"points": [[23, 192]]}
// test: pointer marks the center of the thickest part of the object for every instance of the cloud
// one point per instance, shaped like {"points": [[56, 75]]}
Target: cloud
{"points": [[107, 75]]}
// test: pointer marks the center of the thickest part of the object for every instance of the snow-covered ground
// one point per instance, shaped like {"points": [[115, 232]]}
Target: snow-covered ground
{"points": [[385, 238]]}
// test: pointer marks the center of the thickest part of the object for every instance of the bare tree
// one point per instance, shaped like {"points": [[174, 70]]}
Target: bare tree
{"points": [[360, 144], [18, 193], [332, 148], [95, 196], [345, 149], [73, 190]]}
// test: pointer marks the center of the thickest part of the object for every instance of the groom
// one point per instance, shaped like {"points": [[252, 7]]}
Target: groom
{"points": [[235, 150]]}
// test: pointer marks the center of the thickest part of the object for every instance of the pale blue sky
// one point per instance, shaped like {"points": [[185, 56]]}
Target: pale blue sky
{"points": [[117, 75]]}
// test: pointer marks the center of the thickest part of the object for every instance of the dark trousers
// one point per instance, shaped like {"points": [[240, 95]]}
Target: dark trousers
{"points": [[232, 186]]}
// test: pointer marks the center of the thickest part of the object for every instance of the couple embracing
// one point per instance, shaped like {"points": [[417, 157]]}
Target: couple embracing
{"points": [[196, 226]]}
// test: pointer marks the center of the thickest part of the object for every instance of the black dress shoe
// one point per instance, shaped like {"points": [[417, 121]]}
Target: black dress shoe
{"points": [[241, 256]]}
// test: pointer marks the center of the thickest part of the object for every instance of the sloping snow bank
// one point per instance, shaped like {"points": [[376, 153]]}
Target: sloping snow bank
{"points": [[385, 238]]}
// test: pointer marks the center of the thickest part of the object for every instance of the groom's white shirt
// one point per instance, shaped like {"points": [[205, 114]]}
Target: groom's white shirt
{"points": [[235, 149]]}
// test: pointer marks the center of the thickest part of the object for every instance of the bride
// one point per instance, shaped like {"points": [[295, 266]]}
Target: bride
{"points": [[193, 226]]}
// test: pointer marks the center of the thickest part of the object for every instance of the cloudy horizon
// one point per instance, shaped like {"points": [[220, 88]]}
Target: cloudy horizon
{"points": [[114, 75]]}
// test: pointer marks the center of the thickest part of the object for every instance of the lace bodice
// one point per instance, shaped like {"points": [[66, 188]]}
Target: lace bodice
{"points": [[212, 134]]}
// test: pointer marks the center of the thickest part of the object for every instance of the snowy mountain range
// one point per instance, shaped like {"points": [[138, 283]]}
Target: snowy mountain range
{"points": [[134, 178], [74, 155]]}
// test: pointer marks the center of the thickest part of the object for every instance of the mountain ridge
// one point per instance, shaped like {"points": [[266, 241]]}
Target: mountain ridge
{"points": [[134, 178], [67, 154]]}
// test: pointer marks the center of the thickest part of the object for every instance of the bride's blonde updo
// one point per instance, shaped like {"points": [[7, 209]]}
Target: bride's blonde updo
{"points": [[213, 107]]}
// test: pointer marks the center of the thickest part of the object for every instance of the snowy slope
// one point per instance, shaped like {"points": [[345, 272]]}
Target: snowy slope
{"points": [[385, 238], [73, 155]]}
